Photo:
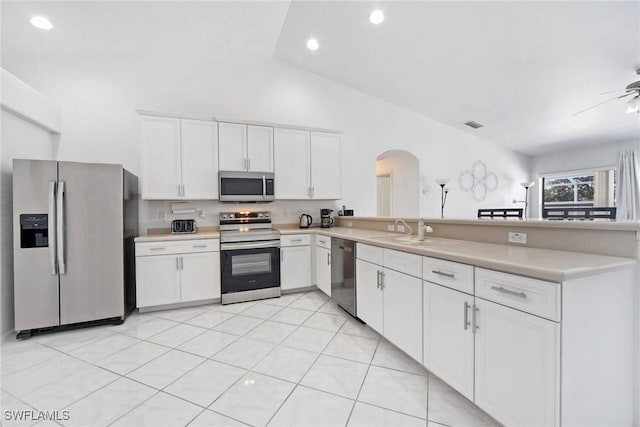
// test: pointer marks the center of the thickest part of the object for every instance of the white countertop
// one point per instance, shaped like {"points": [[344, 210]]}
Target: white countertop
{"points": [[546, 264]]}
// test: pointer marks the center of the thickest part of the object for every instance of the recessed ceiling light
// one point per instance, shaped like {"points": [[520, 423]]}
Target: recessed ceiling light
{"points": [[41, 22], [312, 44], [376, 17]]}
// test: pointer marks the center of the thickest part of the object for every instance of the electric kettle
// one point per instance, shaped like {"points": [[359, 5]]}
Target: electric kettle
{"points": [[305, 221]]}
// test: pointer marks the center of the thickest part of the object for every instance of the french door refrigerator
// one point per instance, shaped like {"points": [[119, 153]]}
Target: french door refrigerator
{"points": [[74, 261]]}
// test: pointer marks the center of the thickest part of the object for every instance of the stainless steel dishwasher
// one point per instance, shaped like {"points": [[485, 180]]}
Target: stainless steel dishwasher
{"points": [[343, 273]]}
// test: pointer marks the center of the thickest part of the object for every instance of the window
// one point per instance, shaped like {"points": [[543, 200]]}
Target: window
{"points": [[584, 189]]}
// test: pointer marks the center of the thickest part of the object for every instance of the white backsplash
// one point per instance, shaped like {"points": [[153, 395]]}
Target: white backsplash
{"points": [[158, 214]]}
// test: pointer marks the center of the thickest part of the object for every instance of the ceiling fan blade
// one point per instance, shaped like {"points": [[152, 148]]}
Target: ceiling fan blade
{"points": [[611, 91], [598, 104], [627, 94]]}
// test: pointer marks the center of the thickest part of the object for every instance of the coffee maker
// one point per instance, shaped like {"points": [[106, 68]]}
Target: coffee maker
{"points": [[325, 218]]}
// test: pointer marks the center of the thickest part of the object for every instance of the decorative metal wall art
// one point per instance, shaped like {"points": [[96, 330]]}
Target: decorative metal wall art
{"points": [[478, 180]]}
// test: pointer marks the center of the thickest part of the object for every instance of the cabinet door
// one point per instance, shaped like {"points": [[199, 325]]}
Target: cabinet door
{"points": [[517, 366], [296, 267], [160, 163], [323, 270], [260, 148], [326, 177], [369, 296], [232, 146], [200, 276], [157, 280], [199, 159], [448, 337], [402, 316], [291, 157]]}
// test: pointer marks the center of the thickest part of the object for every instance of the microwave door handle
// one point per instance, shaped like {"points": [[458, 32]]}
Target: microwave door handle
{"points": [[264, 186]]}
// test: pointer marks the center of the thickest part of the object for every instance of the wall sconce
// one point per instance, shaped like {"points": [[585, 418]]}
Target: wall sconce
{"points": [[443, 193]]}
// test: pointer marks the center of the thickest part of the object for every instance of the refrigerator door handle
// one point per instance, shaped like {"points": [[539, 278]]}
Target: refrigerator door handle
{"points": [[51, 228], [62, 268]]}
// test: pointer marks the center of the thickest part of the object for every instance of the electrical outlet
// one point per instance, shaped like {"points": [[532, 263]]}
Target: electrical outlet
{"points": [[400, 228], [520, 238], [391, 227], [349, 224]]}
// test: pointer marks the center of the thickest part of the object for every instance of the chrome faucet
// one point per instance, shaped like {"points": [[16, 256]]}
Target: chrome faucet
{"points": [[422, 228], [400, 220]]}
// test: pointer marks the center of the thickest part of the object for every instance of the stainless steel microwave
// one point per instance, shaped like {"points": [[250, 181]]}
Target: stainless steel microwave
{"points": [[246, 186]]}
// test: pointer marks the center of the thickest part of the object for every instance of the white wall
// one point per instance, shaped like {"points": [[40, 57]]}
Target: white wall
{"points": [[19, 139], [98, 102], [585, 158]]}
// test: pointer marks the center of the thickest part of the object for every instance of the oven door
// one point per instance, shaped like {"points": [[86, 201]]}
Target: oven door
{"points": [[246, 186], [249, 266]]}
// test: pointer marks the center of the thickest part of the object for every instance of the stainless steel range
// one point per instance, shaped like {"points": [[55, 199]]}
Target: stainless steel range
{"points": [[249, 257]]}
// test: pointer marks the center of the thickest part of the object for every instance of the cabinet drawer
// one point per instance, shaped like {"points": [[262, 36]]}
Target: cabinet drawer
{"points": [[295, 240], [530, 295], [370, 253], [323, 242], [447, 273], [403, 262], [177, 247]]}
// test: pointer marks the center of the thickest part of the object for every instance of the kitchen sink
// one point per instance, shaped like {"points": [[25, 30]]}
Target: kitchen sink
{"points": [[412, 240]]}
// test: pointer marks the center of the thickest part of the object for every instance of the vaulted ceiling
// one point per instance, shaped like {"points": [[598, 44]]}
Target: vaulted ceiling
{"points": [[521, 68]]}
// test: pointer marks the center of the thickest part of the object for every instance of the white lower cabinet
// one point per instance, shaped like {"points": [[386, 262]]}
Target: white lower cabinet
{"points": [[369, 297], [200, 276], [402, 314], [187, 271], [323, 269], [295, 269], [517, 363], [448, 336], [158, 280]]}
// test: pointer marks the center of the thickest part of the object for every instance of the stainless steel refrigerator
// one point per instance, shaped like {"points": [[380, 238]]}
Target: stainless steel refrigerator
{"points": [[73, 229]]}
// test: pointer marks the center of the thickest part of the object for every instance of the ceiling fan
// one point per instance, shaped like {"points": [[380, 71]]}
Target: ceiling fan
{"points": [[632, 90]]}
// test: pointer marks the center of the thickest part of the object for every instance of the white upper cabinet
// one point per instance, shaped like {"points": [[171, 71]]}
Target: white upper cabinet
{"points": [[325, 166], [199, 159], [161, 158], [245, 147], [260, 148], [232, 146], [291, 150], [307, 164], [179, 159]]}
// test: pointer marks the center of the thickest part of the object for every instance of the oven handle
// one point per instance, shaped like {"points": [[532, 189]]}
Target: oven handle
{"points": [[249, 245]]}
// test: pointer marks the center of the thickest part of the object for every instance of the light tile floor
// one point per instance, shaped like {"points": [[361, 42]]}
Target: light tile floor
{"points": [[297, 360]]}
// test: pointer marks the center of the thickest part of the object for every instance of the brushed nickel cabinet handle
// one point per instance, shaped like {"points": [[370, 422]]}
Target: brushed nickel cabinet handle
{"points": [[466, 315], [509, 292], [442, 273]]}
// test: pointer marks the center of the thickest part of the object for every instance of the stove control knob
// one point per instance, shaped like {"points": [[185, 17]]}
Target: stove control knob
{"points": [[231, 216], [260, 215], [224, 216]]}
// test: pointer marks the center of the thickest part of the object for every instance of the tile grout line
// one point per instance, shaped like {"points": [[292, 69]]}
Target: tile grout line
{"points": [[355, 401]]}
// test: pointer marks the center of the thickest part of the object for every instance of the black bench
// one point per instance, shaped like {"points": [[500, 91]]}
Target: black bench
{"points": [[579, 213]]}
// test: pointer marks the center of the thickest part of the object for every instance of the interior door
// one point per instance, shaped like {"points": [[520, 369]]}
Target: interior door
{"points": [[448, 336], [35, 280], [92, 287], [369, 298], [199, 159], [260, 148]]}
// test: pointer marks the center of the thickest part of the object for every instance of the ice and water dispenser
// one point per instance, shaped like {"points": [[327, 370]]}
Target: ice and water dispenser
{"points": [[34, 231]]}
